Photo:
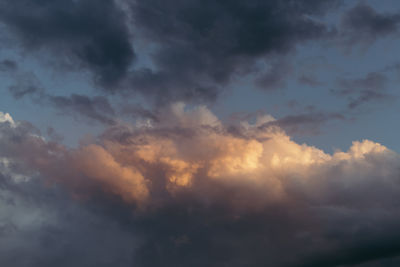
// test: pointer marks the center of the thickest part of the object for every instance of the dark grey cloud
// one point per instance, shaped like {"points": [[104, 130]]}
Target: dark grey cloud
{"points": [[309, 80], [19, 91], [26, 84], [305, 123], [389, 262], [81, 107], [196, 47], [54, 135], [139, 112], [92, 108], [204, 43], [393, 68], [371, 88], [308, 120], [275, 77], [8, 65], [362, 23], [91, 34], [96, 108], [165, 86]]}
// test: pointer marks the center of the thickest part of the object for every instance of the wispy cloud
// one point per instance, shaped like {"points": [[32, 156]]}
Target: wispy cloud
{"points": [[371, 88]]}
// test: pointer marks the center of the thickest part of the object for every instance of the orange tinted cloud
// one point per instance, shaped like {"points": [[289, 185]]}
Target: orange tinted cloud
{"points": [[192, 151]]}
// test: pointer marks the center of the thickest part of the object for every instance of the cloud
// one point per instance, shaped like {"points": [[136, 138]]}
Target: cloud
{"points": [[309, 80], [362, 23], [371, 88], [275, 77], [186, 51], [192, 49], [211, 42], [41, 225], [26, 84], [308, 122], [8, 65], [87, 34], [92, 108], [189, 192], [96, 108], [6, 118]]}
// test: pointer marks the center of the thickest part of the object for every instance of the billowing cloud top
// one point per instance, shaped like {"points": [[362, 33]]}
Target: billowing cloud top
{"points": [[192, 191]]}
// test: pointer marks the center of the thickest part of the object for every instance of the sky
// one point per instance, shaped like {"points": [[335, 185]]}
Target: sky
{"points": [[199, 133]]}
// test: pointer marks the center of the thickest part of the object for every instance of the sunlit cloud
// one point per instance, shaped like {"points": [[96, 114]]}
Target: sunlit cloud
{"points": [[190, 174]]}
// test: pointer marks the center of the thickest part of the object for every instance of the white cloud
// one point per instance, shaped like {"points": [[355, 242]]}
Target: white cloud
{"points": [[5, 117]]}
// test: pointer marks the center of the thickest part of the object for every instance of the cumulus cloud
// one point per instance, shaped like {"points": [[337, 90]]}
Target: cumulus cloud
{"points": [[192, 193]]}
